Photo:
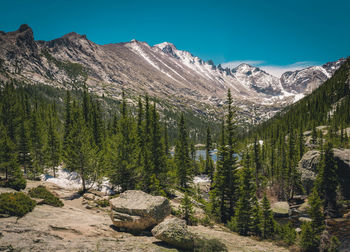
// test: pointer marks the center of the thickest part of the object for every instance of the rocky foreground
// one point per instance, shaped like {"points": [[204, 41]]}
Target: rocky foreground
{"points": [[80, 226]]}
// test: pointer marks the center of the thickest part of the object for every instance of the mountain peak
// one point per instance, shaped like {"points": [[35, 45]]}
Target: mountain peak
{"points": [[73, 35], [167, 48], [244, 68], [24, 27]]}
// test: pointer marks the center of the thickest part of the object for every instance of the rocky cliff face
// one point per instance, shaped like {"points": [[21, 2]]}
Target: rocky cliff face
{"points": [[306, 80], [175, 76]]}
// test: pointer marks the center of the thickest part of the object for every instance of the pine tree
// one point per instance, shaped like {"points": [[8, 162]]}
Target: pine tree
{"points": [[68, 121], [255, 227], [257, 162], [243, 212], [166, 140], [24, 155], [158, 155], [267, 221], [327, 180], [8, 154], [81, 153], [37, 143], [301, 143], [140, 132], [186, 208], [217, 194], [224, 194], [209, 165], [9, 110], [124, 152], [231, 165], [311, 231], [145, 149], [53, 145], [182, 158]]}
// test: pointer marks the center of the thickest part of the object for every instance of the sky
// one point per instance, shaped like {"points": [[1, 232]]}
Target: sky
{"points": [[275, 35]]}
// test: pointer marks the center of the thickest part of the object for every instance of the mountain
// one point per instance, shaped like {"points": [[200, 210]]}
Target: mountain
{"points": [[175, 77], [308, 79]]}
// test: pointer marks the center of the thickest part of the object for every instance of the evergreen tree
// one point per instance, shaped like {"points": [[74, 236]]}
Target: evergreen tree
{"points": [[24, 156], [53, 145], [257, 162], [187, 210], [255, 227], [158, 158], [327, 180], [243, 213], [9, 110], [8, 154], [301, 143], [232, 182], [267, 221], [217, 194], [209, 165], [37, 143], [182, 158], [68, 121], [98, 126], [81, 153], [146, 148], [311, 231], [224, 194], [124, 152]]}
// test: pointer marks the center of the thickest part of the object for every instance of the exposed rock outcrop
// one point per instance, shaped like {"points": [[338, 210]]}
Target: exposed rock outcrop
{"points": [[135, 210], [174, 231], [281, 209], [308, 169]]}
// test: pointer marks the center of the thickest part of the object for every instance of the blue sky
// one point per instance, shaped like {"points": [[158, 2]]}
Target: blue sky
{"points": [[276, 35]]}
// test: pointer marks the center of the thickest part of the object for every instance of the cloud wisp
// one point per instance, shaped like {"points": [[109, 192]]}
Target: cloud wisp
{"points": [[275, 70], [233, 64]]}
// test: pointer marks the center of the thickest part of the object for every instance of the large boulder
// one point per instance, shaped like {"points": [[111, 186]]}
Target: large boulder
{"points": [[281, 209], [174, 232], [308, 168], [136, 211], [342, 157]]}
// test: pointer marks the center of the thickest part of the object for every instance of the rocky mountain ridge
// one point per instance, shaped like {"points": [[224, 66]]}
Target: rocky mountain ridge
{"points": [[177, 77]]}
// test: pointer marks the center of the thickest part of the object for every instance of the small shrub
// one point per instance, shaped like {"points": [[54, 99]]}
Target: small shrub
{"points": [[286, 233], [16, 204], [103, 203], [42, 193], [18, 184], [309, 240], [206, 221]]}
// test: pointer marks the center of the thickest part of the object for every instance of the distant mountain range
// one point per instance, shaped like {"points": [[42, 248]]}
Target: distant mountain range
{"points": [[174, 76]]}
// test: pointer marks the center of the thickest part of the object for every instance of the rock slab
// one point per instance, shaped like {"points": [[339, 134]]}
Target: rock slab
{"points": [[281, 209], [174, 232], [135, 210]]}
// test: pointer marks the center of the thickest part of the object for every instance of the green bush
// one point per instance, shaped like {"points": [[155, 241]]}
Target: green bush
{"points": [[206, 221], [42, 193], [103, 203], [309, 240], [287, 233], [18, 184], [16, 204]]}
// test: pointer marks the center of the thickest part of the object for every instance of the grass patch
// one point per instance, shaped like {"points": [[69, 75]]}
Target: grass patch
{"points": [[16, 204], [103, 203], [42, 193]]}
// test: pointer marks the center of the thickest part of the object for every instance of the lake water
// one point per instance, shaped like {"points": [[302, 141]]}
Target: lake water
{"points": [[202, 153]]}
